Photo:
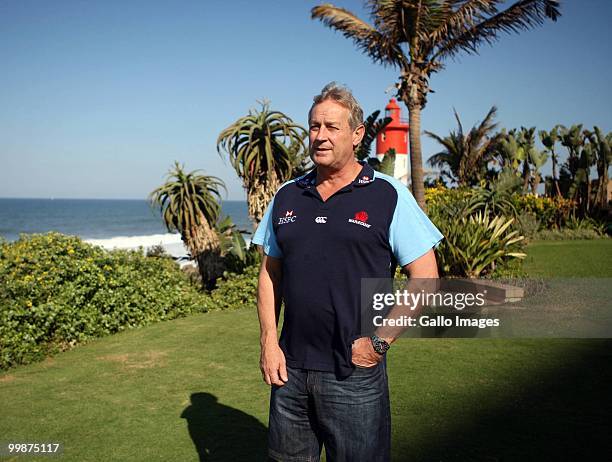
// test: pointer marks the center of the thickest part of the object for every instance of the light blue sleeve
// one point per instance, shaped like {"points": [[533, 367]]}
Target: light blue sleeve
{"points": [[411, 233], [265, 235]]}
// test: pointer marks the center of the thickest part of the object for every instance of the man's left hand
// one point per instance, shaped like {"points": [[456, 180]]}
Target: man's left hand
{"points": [[364, 354]]}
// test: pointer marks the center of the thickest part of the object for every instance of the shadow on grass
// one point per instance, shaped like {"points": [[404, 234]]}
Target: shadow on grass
{"points": [[565, 415], [222, 433]]}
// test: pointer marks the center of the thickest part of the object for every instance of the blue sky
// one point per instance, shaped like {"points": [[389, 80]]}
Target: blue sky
{"points": [[98, 98]]}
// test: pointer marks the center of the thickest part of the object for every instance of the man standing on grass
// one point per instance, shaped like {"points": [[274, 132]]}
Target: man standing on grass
{"points": [[321, 234]]}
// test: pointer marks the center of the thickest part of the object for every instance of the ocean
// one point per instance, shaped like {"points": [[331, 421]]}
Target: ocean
{"points": [[111, 223]]}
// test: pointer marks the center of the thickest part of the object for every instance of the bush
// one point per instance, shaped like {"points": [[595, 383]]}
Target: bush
{"points": [[477, 244], [479, 239], [57, 291], [551, 212], [528, 225], [157, 251], [235, 291]]}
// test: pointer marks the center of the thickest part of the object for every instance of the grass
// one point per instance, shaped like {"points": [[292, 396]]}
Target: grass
{"points": [[190, 389], [586, 258]]}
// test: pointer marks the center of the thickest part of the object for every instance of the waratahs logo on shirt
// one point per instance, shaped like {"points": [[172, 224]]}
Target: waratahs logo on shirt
{"points": [[288, 218], [360, 219], [361, 216]]}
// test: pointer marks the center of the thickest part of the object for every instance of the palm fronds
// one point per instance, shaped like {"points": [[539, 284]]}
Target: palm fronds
{"points": [[262, 148]]}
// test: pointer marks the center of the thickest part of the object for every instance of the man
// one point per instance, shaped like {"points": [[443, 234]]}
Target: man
{"points": [[322, 233]]}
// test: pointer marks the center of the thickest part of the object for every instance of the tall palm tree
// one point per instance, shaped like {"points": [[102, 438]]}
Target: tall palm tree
{"points": [[573, 140], [466, 157], [549, 139], [190, 204], [417, 36], [526, 137], [262, 147], [537, 159], [602, 146]]}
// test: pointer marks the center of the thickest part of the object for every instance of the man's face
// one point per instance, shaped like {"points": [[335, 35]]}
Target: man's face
{"points": [[331, 138]]}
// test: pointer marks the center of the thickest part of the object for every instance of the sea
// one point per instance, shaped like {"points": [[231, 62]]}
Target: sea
{"points": [[110, 223]]}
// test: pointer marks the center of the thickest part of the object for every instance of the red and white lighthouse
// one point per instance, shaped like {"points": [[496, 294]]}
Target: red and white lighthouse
{"points": [[395, 136]]}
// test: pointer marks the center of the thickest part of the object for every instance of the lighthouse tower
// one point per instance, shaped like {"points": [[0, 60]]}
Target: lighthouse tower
{"points": [[395, 136]]}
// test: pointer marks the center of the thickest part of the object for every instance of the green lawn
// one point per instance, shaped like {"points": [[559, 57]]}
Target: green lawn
{"points": [[591, 258], [166, 391]]}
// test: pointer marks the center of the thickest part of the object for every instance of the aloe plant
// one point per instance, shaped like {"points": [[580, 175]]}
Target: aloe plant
{"points": [[476, 243]]}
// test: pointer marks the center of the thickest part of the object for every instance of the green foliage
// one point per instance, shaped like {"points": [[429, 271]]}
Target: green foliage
{"points": [[57, 291], [475, 244], [373, 126], [157, 251], [264, 148], [235, 291], [551, 212], [190, 203], [187, 198], [480, 228], [528, 225], [465, 157], [417, 37], [387, 166]]}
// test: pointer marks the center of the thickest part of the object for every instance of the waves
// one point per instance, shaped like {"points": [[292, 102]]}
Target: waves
{"points": [[171, 243]]}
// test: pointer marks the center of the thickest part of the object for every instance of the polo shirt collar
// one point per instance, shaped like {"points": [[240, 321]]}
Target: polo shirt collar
{"points": [[364, 178]]}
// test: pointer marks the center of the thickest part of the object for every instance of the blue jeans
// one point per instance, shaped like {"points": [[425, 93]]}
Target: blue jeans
{"points": [[350, 417]]}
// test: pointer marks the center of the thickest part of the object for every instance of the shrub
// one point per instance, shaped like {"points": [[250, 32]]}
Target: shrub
{"points": [[528, 225], [440, 196], [551, 212], [235, 290], [476, 244], [57, 291], [478, 238], [157, 251]]}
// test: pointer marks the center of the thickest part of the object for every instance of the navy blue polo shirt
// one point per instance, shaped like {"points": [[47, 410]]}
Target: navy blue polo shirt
{"points": [[362, 231]]}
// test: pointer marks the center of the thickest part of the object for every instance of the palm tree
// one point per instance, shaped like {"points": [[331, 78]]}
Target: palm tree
{"points": [[573, 139], [417, 36], [526, 138], [262, 147], [190, 204], [549, 139], [537, 159], [466, 156], [602, 146]]}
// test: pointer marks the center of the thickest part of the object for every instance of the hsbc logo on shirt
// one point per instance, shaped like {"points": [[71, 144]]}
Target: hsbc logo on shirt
{"points": [[288, 218]]}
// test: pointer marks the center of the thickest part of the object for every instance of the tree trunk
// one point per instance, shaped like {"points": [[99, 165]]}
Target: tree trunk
{"points": [[526, 176], [554, 172], [416, 157], [260, 195], [204, 246]]}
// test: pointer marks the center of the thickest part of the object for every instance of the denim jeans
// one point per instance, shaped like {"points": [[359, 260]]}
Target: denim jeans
{"points": [[350, 417]]}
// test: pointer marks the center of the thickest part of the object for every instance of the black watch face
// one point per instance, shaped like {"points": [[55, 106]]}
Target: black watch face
{"points": [[380, 346]]}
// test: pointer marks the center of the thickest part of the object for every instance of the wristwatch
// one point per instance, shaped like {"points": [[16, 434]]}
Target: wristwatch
{"points": [[380, 345]]}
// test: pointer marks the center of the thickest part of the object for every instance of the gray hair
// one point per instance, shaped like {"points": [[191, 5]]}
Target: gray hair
{"points": [[342, 95]]}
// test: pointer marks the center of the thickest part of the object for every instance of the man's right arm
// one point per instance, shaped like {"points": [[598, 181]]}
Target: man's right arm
{"points": [[269, 298]]}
